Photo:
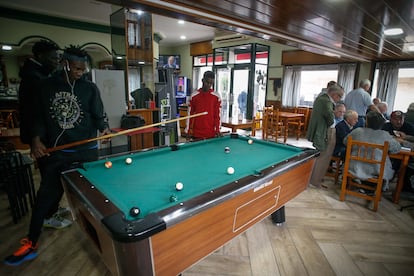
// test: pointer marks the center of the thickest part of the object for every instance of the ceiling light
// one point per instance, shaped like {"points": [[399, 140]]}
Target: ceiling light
{"points": [[139, 12], [393, 31], [183, 37], [180, 21], [411, 48], [6, 47]]}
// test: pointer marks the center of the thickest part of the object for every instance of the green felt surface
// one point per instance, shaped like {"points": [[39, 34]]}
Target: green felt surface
{"points": [[149, 182]]}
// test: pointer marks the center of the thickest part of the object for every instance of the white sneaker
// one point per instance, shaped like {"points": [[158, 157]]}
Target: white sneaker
{"points": [[56, 222]]}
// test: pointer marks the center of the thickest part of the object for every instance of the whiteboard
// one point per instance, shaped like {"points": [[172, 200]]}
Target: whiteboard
{"points": [[111, 84]]}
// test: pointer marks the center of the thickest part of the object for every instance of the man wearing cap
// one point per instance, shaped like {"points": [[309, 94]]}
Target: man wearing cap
{"points": [[360, 101], [397, 125]]}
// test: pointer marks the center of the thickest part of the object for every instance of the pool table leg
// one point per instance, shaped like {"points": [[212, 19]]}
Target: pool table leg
{"points": [[278, 217]]}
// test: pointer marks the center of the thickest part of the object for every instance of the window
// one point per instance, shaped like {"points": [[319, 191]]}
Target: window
{"points": [[404, 95], [313, 79]]}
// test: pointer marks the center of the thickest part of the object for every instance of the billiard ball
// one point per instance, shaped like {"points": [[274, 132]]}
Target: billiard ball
{"points": [[128, 160], [134, 211], [179, 186], [226, 149], [230, 170], [173, 198], [250, 141], [108, 164]]}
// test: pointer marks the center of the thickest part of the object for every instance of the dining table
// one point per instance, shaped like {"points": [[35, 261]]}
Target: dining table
{"points": [[404, 155], [287, 117]]}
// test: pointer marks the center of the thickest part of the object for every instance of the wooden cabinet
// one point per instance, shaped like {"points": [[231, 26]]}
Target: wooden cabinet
{"points": [[144, 140]]}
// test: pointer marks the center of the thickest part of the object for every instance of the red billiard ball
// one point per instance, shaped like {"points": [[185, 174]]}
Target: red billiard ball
{"points": [[108, 164]]}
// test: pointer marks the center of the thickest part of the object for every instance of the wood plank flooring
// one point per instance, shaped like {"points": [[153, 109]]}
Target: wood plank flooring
{"points": [[321, 236]]}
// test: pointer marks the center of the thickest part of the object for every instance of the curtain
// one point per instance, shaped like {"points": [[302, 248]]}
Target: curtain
{"points": [[387, 81], [291, 85], [346, 76]]}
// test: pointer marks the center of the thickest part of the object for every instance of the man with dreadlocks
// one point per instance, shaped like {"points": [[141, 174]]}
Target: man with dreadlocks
{"points": [[68, 109]]}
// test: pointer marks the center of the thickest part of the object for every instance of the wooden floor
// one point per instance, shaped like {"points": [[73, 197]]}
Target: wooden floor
{"points": [[321, 236]]}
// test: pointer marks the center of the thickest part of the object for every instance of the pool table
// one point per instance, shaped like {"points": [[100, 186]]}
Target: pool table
{"points": [[142, 225]]}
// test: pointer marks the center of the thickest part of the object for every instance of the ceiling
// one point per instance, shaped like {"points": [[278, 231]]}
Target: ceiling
{"points": [[346, 28], [99, 13]]}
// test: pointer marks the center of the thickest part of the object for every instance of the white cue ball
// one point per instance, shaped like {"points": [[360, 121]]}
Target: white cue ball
{"points": [[128, 160], [179, 186], [230, 170], [250, 141]]}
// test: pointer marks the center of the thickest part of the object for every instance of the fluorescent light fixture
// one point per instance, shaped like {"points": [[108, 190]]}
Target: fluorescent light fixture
{"points": [[183, 37], [141, 62], [393, 31], [6, 47], [118, 57], [329, 54], [181, 21], [139, 12], [411, 48]]}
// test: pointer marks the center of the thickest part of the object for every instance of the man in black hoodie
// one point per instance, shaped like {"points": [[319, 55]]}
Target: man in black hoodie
{"points": [[68, 109], [44, 61]]}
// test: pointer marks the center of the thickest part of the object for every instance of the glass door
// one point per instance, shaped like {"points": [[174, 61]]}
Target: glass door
{"points": [[239, 91], [223, 77]]}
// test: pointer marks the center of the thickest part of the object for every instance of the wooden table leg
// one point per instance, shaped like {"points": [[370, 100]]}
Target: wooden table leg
{"points": [[400, 183]]}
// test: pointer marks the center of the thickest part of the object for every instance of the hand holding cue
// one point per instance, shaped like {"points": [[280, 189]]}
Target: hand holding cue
{"points": [[126, 131]]}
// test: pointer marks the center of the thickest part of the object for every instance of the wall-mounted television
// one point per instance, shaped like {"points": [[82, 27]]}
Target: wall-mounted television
{"points": [[169, 61]]}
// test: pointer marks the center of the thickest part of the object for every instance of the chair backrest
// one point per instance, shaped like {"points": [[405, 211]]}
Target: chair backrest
{"points": [[271, 126], [305, 112], [363, 152], [366, 152]]}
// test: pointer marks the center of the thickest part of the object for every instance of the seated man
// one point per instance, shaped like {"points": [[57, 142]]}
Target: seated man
{"points": [[373, 133], [397, 126], [343, 128]]}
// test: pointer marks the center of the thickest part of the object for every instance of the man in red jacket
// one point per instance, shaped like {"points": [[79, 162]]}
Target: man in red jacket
{"points": [[205, 99]]}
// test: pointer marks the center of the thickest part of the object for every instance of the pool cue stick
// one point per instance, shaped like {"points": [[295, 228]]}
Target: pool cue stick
{"points": [[126, 131]]}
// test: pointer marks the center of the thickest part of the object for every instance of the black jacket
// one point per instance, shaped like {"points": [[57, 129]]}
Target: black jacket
{"points": [[31, 75]]}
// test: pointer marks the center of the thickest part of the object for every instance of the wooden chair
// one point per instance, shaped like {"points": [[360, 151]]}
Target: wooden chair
{"points": [[363, 152], [300, 125], [335, 168], [272, 128]]}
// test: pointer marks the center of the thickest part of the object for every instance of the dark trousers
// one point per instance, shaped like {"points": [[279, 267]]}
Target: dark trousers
{"points": [[51, 190]]}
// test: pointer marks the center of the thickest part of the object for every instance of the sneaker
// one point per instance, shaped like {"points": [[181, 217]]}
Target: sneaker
{"points": [[63, 211], [26, 252], [366, 192], [56, 222]]}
